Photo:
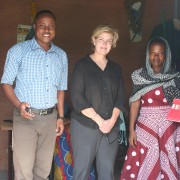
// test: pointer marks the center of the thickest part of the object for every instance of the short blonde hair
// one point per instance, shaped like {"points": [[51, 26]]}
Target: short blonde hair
{"points": [[108, 29]]}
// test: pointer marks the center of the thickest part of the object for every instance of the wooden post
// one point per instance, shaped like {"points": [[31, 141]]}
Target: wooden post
{"points": [[7, 125]]}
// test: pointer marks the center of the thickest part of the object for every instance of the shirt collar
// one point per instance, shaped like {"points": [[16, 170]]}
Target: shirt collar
{"points": [[35, 45]]}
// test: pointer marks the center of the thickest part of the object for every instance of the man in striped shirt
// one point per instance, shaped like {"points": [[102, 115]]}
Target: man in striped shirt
{"points": [[38, 69]]}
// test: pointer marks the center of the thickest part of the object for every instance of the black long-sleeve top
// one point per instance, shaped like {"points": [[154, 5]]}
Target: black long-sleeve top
{"points": [[93, 87]]}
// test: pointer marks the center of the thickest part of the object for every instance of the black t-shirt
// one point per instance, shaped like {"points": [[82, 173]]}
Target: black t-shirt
{"points": [[93, 87]]}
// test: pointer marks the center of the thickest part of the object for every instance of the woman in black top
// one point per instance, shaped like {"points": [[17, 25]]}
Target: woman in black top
{"points": [[97, 95]]}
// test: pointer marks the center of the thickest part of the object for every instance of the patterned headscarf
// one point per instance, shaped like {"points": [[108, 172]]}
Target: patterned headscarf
{"points": [[145, 80]]}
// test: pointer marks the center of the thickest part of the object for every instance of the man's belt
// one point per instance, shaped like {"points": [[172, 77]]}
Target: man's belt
{"points": [[42, 111]]}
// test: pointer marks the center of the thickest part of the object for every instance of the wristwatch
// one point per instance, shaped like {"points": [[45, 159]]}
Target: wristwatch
{"points": [[60, 117]]}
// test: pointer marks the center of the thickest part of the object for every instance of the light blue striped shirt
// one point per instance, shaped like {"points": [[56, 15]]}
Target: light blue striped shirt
{"points": [[37, 74]]}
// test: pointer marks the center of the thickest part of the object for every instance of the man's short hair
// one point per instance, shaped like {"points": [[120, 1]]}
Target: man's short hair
{"points": [[40, 13]]}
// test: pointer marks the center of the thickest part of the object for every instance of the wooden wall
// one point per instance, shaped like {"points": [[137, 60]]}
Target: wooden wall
{"points": [[75, 21]]}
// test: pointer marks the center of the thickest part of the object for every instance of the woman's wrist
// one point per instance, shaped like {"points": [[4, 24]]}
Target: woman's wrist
{"points": [[94, 116], [97, 118], [113, 120], [131, 130]]}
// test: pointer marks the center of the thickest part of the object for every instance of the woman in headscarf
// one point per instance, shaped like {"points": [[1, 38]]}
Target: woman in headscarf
{"points": [[154, 151]]}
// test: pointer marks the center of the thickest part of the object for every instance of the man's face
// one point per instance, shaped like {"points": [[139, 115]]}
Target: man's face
{"points": [[44, 28]]}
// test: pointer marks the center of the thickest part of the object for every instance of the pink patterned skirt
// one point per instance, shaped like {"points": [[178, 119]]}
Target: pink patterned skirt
{"points": [[157, 154]]}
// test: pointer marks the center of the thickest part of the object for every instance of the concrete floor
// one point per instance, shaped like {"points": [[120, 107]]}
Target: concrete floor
{"points": [[118, 166]]}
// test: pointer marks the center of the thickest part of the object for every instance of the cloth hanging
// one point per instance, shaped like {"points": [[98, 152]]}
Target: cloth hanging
{"points": [[122, 128]]}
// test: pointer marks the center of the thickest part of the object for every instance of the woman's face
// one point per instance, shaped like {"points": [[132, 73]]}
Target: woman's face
{"points": [[157, 56], [103, 43]]}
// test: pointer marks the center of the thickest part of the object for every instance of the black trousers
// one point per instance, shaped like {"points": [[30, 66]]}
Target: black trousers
{"points": [[89, 144]]}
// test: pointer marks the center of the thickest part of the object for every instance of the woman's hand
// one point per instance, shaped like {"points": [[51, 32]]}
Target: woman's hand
{"points": [[106, 126], [133, 139]]}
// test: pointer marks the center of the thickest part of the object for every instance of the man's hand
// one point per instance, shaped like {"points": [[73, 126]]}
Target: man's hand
{"points": [[23, 111], [59, 127]]}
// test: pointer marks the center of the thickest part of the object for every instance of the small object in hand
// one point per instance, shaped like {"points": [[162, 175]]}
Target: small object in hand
{"points": [[28, 110]]}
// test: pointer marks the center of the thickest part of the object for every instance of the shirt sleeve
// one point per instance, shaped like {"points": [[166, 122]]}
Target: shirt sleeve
{"points": [[12, 65], [64, 77], [77, 89], [120, 100]]}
